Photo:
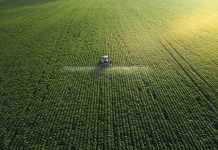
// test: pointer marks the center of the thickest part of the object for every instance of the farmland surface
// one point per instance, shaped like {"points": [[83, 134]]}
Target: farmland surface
{"points": [[161, 92]]}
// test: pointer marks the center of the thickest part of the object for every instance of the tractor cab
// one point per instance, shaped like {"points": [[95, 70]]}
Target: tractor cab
{"points": [[105, 61]]}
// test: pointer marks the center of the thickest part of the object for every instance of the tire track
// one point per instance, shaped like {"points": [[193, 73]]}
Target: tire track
{"points": [[204, 94], [190, 66]]}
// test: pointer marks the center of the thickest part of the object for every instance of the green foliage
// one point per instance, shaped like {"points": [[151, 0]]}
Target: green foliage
{"points": [[161, 92]]}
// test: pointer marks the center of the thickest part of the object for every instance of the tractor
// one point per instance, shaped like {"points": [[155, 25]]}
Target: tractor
{"points": [[105, 61]]}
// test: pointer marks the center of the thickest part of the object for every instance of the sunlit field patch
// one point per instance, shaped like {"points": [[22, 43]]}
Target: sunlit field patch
{"points": [[198, 21]]}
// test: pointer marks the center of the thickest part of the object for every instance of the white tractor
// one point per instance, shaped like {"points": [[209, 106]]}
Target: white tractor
{"points": [[105, 61]]}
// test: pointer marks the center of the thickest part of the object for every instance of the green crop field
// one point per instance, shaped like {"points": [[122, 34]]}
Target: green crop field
{"points": [[160, 93]]}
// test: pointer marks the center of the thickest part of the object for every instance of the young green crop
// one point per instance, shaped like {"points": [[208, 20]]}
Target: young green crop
{"points": [[160, 93]]}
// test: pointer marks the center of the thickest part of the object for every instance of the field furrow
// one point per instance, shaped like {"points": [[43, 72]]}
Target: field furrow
{"points": [[159, 93]]}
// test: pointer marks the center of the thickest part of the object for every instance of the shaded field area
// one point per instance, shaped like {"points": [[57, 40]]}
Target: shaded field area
{"points": [[160, 93]]}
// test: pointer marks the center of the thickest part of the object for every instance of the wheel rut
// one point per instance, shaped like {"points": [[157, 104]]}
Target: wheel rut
{"points": [[205, 95], [190, 66], [170, 51]]}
